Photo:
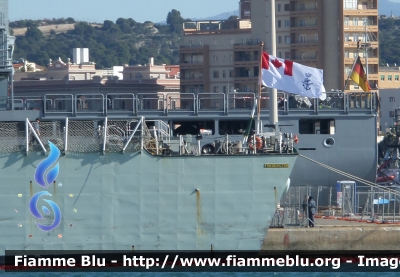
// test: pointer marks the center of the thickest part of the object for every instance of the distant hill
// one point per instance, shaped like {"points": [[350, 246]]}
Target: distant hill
{"points": [[387, 7], [46, 29], [220, 16]]}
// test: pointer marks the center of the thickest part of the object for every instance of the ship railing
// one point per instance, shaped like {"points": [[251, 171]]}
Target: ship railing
{"points": [[282, 101], [75, 135], [210, 102], [240, 101], [90, 103], [59, 103], [120, 103], [143, 104], [333, 101], [150, 102], [361, 101], [179, 102], [160, 129]]}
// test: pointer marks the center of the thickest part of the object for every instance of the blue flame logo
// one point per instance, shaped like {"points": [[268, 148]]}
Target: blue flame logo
{"points": [[45, 181], [45, 164]]}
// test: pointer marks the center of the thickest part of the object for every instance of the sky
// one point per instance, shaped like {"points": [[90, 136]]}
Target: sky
{"points": [[100, 10]]}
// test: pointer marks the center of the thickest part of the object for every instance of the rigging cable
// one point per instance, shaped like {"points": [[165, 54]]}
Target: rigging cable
{"points": [[358, 179]]}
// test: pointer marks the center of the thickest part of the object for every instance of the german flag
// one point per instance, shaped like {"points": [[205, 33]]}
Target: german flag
{"points": [[358, 75]]}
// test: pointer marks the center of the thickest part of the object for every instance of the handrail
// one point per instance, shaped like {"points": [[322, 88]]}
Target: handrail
{"points": [[202, 103]]}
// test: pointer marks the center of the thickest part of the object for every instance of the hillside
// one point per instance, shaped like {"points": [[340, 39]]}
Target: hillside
{"points": [[46, 29], [129, 42]]}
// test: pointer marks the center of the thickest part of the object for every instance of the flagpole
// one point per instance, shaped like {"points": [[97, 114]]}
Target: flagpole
{"points": [[258, 127], [351, 72], [273, 93]]}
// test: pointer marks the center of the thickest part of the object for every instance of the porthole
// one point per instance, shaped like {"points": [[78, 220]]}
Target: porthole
{"points": [[329, 142]]}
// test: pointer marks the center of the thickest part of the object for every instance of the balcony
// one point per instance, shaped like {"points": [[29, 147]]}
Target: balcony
{"points": [[360, 28], [191, 65], [302, 44], [304, 28], [303, 12], [361, 12], [371, 60]]}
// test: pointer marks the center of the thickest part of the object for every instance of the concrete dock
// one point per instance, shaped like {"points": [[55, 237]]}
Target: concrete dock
{"points": [[334, 234]]}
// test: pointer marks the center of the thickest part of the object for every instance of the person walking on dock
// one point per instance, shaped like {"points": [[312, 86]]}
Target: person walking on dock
{"points": [[36, 127], [311, 211]]}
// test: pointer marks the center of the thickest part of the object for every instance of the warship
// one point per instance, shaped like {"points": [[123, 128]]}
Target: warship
{"points": [[116, 170], [74, 180]]}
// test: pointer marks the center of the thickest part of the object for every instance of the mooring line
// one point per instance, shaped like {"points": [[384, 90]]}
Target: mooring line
{"points": [[358, 179]]}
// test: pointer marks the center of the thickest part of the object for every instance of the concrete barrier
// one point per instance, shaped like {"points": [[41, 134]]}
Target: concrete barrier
{"points": [[355, 236]]}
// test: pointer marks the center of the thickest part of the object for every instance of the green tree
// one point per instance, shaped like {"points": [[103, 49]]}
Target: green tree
{"points": [[175, 21], [33, 33]]}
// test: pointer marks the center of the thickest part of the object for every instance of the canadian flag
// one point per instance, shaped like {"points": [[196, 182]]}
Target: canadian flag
{"points": [[292, 77]]}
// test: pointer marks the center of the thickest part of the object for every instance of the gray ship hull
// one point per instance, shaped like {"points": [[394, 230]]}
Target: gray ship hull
{"points": [[135, 200]]}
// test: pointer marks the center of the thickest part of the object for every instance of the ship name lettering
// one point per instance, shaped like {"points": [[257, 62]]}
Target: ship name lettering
{"points": [[276, 165]]}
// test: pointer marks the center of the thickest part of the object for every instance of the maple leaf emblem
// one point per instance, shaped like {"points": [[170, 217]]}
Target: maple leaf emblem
{"points": [[276, 63]]}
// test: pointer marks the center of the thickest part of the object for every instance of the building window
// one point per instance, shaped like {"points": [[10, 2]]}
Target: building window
{"points": [[302, 6], [396, 77], [287, 23], [279, 54], [391, 113], [346, 21], [215, 58], [230, 73], [287, 55], [346, 37], [223, 74], [279, 24], [382, 77], [389, 77], [346, 53], [215, 89], [216, 74], [279, 7], [287, 7], [303, 38], [392, 99], [350, 4], [279, 39], [355, 21], [192, 90], [287, 39], [316, 38]]}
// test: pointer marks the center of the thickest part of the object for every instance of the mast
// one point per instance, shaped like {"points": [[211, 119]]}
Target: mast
{"points": [[366, 45], [273, 94], [258, 100]]}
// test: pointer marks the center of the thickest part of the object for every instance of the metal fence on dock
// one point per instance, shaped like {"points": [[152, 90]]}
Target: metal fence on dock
{"points": [[377, 204]]}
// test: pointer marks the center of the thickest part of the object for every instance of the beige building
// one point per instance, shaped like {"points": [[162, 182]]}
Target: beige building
{"points": [[222, 56], [389, 77], [150, 71]]}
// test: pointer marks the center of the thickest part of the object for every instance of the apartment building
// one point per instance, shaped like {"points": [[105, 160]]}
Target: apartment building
{"points": [[222, 56]]}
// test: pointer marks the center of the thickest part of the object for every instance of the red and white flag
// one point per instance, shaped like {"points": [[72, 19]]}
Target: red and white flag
{"points": [[292, 77]]}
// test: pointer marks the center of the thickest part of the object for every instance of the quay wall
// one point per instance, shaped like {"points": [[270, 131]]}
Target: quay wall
{"points": [[362, 236]]}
